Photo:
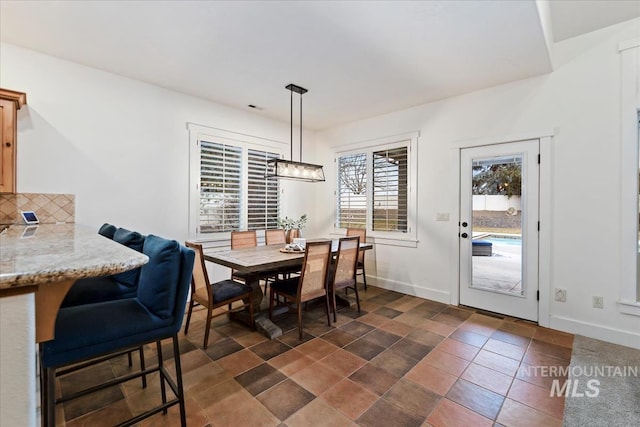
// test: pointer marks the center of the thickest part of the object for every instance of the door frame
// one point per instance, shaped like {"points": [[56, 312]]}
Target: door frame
{"points": [[545, 249]]}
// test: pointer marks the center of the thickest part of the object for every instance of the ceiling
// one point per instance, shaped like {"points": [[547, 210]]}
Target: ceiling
{"points": [[357, 59]]}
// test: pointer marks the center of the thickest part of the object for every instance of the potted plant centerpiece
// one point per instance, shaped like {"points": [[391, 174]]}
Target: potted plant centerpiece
{"points": [[292, 226]]}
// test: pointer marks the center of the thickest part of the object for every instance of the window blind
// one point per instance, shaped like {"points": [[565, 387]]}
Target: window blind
{"points": [[220, 187], [352, 191], [390, 190], [262, 197]]}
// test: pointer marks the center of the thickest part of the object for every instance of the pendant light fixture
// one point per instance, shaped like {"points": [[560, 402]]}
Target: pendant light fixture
{"points": [[290, 169]]}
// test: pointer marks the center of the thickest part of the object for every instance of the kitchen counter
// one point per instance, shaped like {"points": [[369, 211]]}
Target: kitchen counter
{"points": [[33, 255], [38, 265]]}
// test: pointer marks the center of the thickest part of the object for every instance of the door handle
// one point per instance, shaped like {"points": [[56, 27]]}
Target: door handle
{"points": [[464, 235]]}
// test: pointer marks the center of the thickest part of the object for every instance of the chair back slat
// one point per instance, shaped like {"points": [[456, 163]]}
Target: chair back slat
{"points": [[347, 259], [243, 239], [275, 237], [314, 270], [362, 233]]}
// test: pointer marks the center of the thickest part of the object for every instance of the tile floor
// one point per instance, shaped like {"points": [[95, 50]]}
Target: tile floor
{"points": [[403, 361]]}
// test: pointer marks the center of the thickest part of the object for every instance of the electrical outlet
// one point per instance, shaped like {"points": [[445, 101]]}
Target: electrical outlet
{"points": [[598, 302], [560, 295]]}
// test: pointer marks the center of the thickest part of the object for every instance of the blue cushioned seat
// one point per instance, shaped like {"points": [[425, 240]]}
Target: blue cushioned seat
{"points": [[94, 330], [96, 289], [107, 230], [228, 289]]}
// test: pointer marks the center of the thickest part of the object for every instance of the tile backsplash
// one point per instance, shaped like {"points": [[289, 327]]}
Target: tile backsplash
{"points": [[50, 208]]}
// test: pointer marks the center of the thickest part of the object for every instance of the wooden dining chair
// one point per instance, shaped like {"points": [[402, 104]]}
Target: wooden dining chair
{"points": [[239, 240], [214, 295], [343, 273], [275, 237], [362, 233], [311, 284]]}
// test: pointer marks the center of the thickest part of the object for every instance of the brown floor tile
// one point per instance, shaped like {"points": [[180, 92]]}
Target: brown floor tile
{"points": [[537, 397], [488, 378], [292, 338], [317, 348], [373, 319], [387, 312], [317, 378], [250, 339], [382, 338], [270, 348], [542, 376], [240, 409], [349, 398], [240, 361], [405, 303], [412, 398], [504, 349], [540, 359], [396, 328], [497, 362], [431, 378], [217, 393], [450, 414], [204, 377], [260, 378], [446, 362], [383, 413], [549, 349], [374, 379], [470, 338], [448, 319], [343, 362], [396, 363], [92, 402], [424, 337], [109, 415], [318, 413], [364, 348], [511, 338], [357, 328], [410, 319], [386, 297], [458, 348], [411, 348], [285, 399], [476, 398], [517, 414], [222, 348], [518, 329], [194, 414], [291, 362], [437, 327], [338, 337], [554, 337]]}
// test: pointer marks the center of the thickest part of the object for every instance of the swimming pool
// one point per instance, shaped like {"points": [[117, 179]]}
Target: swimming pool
{"points": [[496, 239]]}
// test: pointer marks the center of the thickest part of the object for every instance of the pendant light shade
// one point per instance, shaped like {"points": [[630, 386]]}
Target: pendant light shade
{"points": [[290, 169]]}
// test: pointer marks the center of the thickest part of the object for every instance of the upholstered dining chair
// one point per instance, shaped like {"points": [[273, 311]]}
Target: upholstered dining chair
{"points": [[362, 233], [90, 331], [214, 295], [343, 272], [311, 284]]}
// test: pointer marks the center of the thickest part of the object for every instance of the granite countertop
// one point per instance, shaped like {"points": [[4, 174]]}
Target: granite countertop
{"points": [[31, 255]]}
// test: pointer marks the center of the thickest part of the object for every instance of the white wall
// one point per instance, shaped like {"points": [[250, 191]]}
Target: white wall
{"points": [[119, 145], [581, 101]]}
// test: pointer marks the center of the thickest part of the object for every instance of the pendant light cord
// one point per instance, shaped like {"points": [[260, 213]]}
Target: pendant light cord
{"points": [[300, 128], [291, 136]]}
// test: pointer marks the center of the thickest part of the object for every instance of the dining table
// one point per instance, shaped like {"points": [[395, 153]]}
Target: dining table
{"points": [[259, 262]]}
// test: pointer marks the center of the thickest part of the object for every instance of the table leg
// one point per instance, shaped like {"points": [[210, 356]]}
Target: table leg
{"points": [[260, 317]]}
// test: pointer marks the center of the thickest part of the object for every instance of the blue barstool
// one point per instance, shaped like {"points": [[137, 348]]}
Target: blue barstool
{"points": [[99, 330]]}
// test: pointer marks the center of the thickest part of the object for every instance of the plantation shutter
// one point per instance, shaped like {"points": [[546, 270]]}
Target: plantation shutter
{"points": [[262, 199], [352, 191], [220, 187], [389, 204]]}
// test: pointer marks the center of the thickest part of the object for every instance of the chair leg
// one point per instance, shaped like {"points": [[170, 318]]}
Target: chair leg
{"points": [[130, 359], [335, 308], [50, 397], [142, 366], [364, 277], [186, 326], [300, 321], [355, 288], [163, 387], [176, 357], [326, 304], [208, 327]]}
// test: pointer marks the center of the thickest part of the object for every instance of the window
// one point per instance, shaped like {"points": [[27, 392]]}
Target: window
{"points": [[373, 187], [229, 188]]}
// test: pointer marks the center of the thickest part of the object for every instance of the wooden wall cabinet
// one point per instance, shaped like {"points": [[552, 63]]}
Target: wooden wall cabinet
{"points": [[10, 102]]}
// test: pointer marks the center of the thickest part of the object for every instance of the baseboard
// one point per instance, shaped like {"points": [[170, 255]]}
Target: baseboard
{"points": [[599, 332], [417, 291]]}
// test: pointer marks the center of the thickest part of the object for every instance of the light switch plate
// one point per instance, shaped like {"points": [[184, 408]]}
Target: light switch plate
{"points": [[442, 216]]}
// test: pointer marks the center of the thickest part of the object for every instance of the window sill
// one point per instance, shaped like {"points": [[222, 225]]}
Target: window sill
{"points": [[386, 241], [629, 307]]}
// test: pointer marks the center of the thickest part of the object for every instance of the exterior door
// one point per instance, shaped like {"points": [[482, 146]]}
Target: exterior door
{"points": [[499, 190]]}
